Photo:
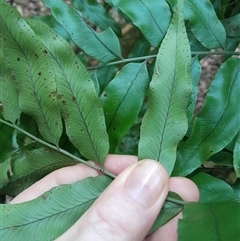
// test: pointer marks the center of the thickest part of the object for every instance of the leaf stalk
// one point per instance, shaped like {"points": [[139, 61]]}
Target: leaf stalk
{"points": [[64, 152], [154, 56]]}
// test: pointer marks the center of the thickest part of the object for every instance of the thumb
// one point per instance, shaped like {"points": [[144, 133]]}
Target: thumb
{"points": [[127, 209]]}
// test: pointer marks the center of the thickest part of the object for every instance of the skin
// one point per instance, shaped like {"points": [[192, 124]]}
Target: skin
{"points": [[127, 209]]}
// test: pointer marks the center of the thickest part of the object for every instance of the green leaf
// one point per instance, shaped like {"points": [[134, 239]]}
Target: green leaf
{"points": [[103, 76], [204, 23], [52, 213], [165, 122], [232, 26], [9, 98], [29, 125], [103, 46], [119, 101], [141, 48], [213, 189], [27, 59], [223, 158], [29, 166], [236, 156], [6, 141], [236, 188], [156, 18], [128, 144], [169, 210], [54, 24], [195, 45], [96, 14], [8, 92], [5, 171], [80, 106], [215, 126], [195, 72], [210, 221]]}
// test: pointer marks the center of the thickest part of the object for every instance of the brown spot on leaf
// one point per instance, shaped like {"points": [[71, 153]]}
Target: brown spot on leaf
{"points": [[59, 96]]}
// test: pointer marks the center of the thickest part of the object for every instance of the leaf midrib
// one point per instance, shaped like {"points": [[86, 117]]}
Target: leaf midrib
{"points": [[205, 23], [49, 216], [195, 149], [128, 90]]}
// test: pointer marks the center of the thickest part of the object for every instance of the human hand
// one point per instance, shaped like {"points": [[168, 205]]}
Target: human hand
{"points": [[127, 209]]}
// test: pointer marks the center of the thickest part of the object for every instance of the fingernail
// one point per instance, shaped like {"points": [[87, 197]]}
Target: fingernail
{"points": [[144, 185]]}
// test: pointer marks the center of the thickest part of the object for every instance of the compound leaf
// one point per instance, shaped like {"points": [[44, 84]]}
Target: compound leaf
{"points": [[165, 122]]}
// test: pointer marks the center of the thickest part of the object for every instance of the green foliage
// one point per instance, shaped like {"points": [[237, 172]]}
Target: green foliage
{"points": [[211, 213], [64, 205], [56, 110], [165, 122]]}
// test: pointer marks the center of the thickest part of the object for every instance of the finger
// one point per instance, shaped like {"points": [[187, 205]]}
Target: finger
{"points": [[127, 208], [117, 163], [65, 175], [71, 174], [189, 193]]}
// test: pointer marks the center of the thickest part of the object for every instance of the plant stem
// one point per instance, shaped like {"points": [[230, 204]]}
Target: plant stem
{"points": [[154, 56], [66, 153]]}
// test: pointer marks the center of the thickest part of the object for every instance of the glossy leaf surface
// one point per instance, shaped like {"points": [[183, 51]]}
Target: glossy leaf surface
{"points": [[165, 122], [79, 103], [210, 135], [103, 46], [119, 101], [52, 213]]}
